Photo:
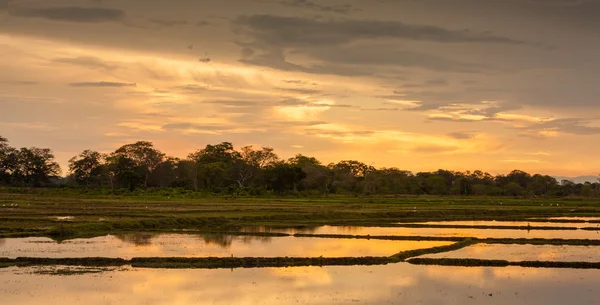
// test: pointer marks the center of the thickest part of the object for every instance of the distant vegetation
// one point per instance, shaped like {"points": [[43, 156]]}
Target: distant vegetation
{"points": [[248, 171]]}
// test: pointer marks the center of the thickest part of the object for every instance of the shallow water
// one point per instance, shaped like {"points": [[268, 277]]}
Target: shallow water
{"points": [[189, 245], [507, 223], [574, 218], [447, 232], [525, 253], [377, 285]]}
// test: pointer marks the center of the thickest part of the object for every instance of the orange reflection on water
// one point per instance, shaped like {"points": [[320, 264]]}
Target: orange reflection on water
{"points": [[188, 245], [525, 253], [450, 232], [390, 284]]}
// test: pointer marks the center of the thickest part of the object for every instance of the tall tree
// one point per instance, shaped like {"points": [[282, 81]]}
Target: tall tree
{"points": [[350, 175], [87, 168], [124, 172], [284, 177], [36, 166], [214, 165], [8, 161], [145, 157], [251, 162], [318, 176]]}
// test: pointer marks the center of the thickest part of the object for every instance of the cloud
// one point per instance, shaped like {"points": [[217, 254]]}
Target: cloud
{"points": [[235, 103], [292, 102], [381, 109], [355, 48], [102, 84], [340, 134], [575, 126], [460, 119], [192, 126], [168, 23], [301, 90], [521, 161], [248, 52], [4, 5], [19, 83], [71, 14], [561, 2], [299, 82], [438, 82], [428, 99], [284, 31], [192, 88], [86, 61], [433, 148], [276, 60], [384, 55], [311, 5], [332, 105], [300, 123], [462, 135]]}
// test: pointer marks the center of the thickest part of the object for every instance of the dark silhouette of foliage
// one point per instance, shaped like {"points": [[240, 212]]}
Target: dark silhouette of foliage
{"points": [[220, 168]]}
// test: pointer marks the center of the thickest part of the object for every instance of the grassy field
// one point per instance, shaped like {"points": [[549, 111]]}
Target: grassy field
{"points": [[65, 216]]}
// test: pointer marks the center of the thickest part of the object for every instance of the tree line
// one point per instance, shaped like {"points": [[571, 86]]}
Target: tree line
{"points": [[220, 168]]}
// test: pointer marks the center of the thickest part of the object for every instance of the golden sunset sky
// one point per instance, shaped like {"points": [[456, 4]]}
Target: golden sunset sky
{"points": [[415, 84]]}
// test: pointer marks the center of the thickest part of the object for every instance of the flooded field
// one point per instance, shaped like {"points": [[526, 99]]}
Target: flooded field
{"points": [[189, 245], [507, 223], [447, 232], [525, 253], [576, 218], [392, 284]]}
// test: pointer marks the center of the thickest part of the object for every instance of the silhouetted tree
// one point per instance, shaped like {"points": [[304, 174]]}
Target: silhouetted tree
{"points": [[87, 168]]}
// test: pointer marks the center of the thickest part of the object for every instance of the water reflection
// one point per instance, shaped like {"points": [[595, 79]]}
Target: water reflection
{"points": [[138, 238], [449, 232], [505, 223], [391, 284], [205, 245], [226, 240], [525, 253], [577, 218]]}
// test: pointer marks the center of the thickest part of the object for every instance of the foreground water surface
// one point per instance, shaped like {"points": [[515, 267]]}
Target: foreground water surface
{"points": [[447, 232], [525, 253], [390, 284], [202, 245]]}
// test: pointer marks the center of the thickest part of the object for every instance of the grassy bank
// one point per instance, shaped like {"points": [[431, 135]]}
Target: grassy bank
{"points": [[190, 263], [469, 262], [61, 216]]}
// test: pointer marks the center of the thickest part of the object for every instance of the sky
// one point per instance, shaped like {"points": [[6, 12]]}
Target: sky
{"points": [[420, 85]]}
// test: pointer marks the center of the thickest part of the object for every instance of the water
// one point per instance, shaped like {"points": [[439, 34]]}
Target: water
{"points": [[525, 253], [400, 283], [582, 218], [448, 232], [189, 245], [507, 223], [377, 285]]}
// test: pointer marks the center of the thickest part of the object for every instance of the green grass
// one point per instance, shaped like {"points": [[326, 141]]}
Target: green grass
{"points": [[30, 214], [403, 256], [202, 262], [469, 262]]}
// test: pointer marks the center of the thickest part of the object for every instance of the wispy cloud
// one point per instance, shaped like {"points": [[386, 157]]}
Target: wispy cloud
{"points": [[102, 84], [70, 14]]}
